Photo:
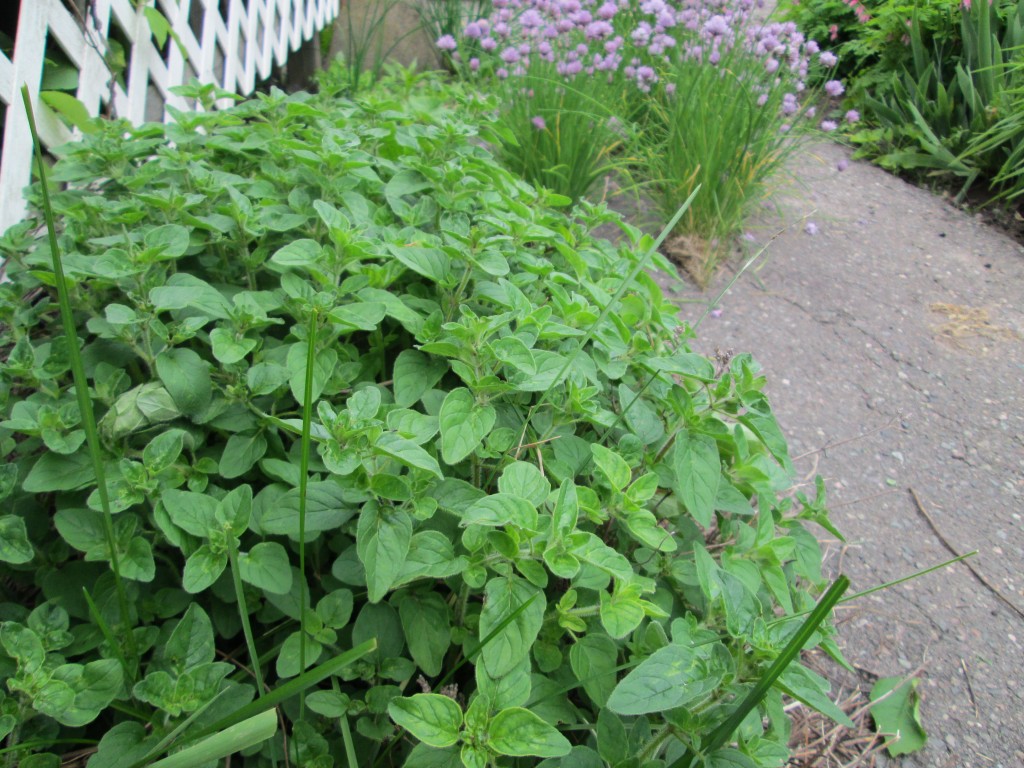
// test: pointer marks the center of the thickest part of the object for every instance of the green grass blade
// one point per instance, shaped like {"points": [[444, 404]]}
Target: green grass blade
{"points": [[235, 738], [292, 688], [81, 387], [243, 614], [307, 420], [721, 734]]}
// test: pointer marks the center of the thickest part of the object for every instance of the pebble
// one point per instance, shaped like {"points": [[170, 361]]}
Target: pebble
{"points": [[951, 741]]}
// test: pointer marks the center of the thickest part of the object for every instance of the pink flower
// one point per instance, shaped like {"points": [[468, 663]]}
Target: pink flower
{"points": [[447, 43], [829, 125], [842, 165], [538, 123], [852, 116], [811, 228]]}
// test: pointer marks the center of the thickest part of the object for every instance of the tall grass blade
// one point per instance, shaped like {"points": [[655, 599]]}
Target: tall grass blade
{"points": [[233, 739], [721, 734], [82, 388], [307, 420], [243, 614]]}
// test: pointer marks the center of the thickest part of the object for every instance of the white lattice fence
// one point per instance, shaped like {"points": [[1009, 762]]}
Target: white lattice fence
{"points": [[229, 43]]}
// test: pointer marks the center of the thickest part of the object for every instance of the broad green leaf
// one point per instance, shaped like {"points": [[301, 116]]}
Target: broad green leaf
{"points": [[264, 378], [328, 703], [191, 642], [185, 291], [612, 466], [730, 758], [551, 369], [229, 347], [289, 661], [326, 509], [622, 611], [195, 513], [137, 561], [171, 239], [335, 608], [187, 378], [501, 509], [698, 471], [464, 424], [163, 450], [431, 556], [518, 732], [14, 544], [432, 263], [383, 537], [414, 374], [594, 658], [408, 453], [202, 568], [503, 597], [24, 645], [70, 108], [426, 622], [511, 690], [512, 351], [811, 688], [266, 566], [298, 253], [897, 716], [56, 472], [612, 741], [670, 677], [566, 510], [241, 452], [434, 719], [359, 315], [522, 479], [423, 756]]}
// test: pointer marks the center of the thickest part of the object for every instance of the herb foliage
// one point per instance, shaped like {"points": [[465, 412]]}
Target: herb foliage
{"points": [[568, 535]]}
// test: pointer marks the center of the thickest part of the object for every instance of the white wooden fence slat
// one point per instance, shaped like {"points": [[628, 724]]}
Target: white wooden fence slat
{"points": [[231, 52]]}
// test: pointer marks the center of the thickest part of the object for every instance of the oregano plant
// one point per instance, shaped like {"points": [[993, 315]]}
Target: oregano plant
{"points": [[358, 387]]}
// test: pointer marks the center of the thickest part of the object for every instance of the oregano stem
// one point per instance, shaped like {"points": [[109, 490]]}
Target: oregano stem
{"points": [[82, 388]]}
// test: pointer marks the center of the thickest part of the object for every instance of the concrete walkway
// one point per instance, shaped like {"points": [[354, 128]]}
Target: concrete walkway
{"points": [[886, 377]]}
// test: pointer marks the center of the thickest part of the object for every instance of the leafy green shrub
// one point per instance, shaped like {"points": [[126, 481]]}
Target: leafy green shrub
{"points": [[566, 533]]}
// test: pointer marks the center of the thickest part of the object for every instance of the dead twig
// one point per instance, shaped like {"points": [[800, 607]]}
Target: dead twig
{"points": [[977, 574]]}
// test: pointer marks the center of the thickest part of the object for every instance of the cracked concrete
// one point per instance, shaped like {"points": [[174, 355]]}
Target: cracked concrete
{"points": [[877, 400]]}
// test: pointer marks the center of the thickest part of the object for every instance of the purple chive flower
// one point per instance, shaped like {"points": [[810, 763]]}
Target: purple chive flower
{"points": [[827, 58], [473, 30], [771, 65], [812, 47], [852, 116], [670, 89], [811, 228], [447, 43], [716, 26], [474, 64], [510, 55], [834, 88], [715, 313], [488, 44], [829, 125], [538, 123], [530, 19], [607, 11], [842, 165]]}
